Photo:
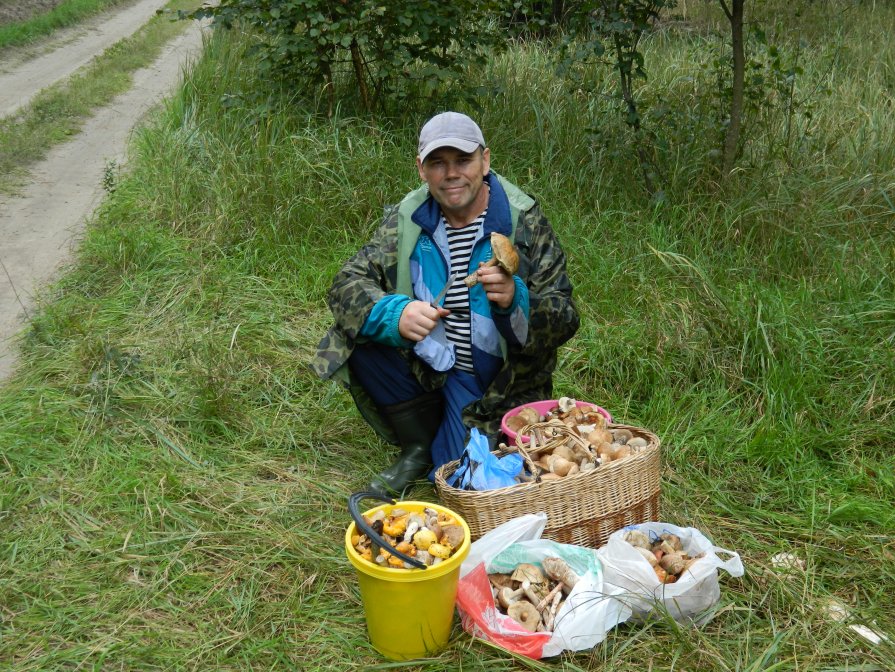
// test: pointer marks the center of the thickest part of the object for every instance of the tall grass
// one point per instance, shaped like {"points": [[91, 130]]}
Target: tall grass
{"points": [[65, 14], [175, 478]]}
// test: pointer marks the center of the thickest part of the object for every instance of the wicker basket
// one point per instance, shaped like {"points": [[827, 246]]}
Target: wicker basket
{"points": [[583, 509]]}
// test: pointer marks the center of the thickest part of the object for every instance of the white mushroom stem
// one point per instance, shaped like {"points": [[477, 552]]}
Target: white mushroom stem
{"points": [[529, 593], [540, 606], [412, 529], [550, 621], [506, 596]]}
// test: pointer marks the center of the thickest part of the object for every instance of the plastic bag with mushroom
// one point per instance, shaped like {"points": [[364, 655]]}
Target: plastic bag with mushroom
{"points": [[582, 616], [628, 566]]}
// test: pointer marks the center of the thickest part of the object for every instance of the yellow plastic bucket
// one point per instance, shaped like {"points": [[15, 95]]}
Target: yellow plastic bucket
{"points": [[409, 612]]}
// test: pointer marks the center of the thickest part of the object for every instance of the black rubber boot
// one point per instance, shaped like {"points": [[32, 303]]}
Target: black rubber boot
{"points": [[416, 423]]}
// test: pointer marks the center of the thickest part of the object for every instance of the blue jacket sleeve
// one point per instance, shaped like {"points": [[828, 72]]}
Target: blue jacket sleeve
{"points": [[381, 326]]}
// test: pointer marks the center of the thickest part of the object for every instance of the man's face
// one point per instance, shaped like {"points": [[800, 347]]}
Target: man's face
{"points": [[455, 180]]}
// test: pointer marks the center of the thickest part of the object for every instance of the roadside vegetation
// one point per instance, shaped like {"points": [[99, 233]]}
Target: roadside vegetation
{"points": [[41, 24], [59, 111], [173, 478]]}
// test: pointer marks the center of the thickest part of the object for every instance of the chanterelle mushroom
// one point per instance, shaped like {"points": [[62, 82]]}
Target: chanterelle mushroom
{"points": [[505, 256]]}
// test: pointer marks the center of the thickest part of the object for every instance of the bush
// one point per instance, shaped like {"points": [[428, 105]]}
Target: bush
{"points": [[375, 49]]}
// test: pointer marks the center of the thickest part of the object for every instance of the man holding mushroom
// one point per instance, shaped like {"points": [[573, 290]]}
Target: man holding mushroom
{"points": [[425, 365]]}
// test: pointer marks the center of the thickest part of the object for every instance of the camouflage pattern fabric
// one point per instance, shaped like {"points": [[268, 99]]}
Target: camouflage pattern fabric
{"points": [[527, 372]]}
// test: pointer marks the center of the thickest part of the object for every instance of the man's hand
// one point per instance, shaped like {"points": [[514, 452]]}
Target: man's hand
{"points": [[498, 285], [418, 319]]}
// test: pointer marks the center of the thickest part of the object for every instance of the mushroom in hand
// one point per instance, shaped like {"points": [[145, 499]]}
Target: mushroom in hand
{"points": [[505, 256]]}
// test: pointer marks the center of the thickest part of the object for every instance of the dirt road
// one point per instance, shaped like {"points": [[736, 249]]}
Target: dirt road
{"points": [[40, 228], [77, 47]]}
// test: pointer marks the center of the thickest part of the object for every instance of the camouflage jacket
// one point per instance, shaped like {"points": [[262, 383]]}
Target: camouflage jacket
{"points": [[379, 269]]}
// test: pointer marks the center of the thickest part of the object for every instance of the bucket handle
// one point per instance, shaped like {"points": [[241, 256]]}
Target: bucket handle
{"points": [[367, 529]]}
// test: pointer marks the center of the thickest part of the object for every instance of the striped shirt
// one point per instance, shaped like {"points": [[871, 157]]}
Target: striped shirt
{"points": [[457, 324]]}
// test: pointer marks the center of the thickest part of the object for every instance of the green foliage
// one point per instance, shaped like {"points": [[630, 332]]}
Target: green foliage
{"points": [[375, 50], [610, 31], [536, 18]]}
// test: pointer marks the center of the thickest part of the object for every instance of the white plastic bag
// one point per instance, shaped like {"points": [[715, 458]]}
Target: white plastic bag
{"points": [[582, 622], [694, 592]]}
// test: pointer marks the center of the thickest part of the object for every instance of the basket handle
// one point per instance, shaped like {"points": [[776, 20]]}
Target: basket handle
{"points": [[367, 529]]}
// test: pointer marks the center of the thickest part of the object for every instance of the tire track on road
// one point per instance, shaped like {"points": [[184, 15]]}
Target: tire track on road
{"points": [[18, 87]]}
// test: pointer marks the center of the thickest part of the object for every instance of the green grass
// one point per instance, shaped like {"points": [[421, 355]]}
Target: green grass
{"points": [[174, 479], [65, 14], [59, 111]]}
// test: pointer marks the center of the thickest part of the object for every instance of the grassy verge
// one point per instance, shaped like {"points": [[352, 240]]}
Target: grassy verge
{"points": [[58, 112], [174, 479], [61, 16]]}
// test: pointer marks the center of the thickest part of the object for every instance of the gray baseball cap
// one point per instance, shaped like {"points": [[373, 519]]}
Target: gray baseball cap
{"points": [[450, 129]]}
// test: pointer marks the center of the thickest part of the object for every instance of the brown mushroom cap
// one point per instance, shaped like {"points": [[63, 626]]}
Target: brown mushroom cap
{"points": [[637, 538], [505, 256], [673, 540], [673, 563], [621, 435], [525, 614], [452, 535], [530, 415], [505, 253], [516, 422], [500, 580], [528, 572]]}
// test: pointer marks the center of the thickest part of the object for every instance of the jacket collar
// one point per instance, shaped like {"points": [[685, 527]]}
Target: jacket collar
{"points": [[428, 214]]}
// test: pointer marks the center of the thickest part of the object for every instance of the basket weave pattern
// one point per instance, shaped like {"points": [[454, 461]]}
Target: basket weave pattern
{"points": [[582, 509]]}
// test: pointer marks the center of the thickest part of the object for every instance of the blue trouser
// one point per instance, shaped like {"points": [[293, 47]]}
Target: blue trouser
{"points": [[387, 378]]}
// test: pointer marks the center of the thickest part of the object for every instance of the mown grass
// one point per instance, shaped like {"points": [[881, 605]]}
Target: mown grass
{"points": [[59, 111], [174, 478], [65, 14]]}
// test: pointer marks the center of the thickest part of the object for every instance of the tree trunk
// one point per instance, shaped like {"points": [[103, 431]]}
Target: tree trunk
{"points": [[732, 137], [626, 85], [357, 60], [558, 11]]}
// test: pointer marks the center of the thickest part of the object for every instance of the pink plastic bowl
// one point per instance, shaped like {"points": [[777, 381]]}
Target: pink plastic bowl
{"points": [[542, 407]]}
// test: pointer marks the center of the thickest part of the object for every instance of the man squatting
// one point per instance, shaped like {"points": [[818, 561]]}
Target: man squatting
{"points": [[422, 375]]}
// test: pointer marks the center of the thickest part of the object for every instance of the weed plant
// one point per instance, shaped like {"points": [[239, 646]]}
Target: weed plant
{"points": [[175, 479]]}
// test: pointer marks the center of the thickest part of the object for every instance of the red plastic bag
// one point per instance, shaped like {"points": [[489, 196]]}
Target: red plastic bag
{"points": [[481, 619], [590, 609]]}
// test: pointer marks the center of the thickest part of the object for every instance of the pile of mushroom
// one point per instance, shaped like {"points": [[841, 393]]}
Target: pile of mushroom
{"points": [[570, 439], [533, 596], [430, 537], [665, 555]]}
